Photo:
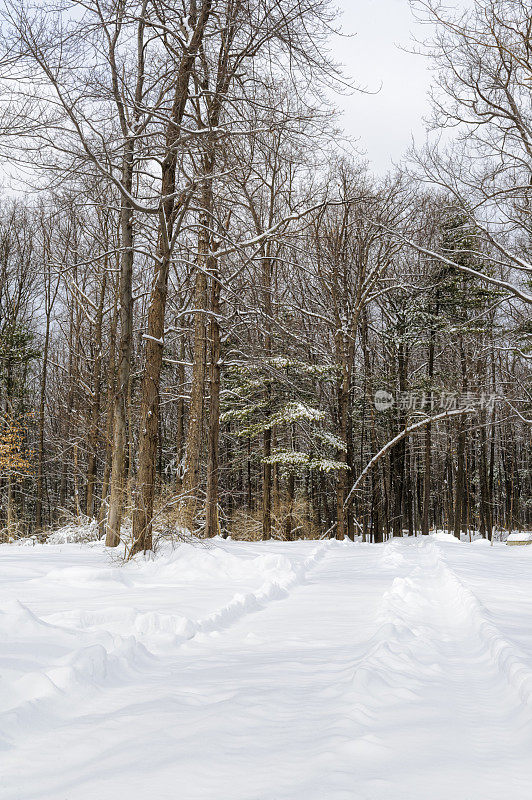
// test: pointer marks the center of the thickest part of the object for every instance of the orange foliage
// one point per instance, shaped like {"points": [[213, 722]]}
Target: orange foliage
{"points": [[12, 461]]}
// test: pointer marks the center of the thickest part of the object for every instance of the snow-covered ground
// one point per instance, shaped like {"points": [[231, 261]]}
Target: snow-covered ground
{"points": [[267, 671]]}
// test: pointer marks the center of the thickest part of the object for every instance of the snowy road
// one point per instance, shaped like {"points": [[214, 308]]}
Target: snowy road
{"points": [[267, 671]]}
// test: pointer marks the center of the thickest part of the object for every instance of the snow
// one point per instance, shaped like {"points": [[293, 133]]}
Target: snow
{"points": [[75, 532], [267, 671], [443, 536], [525, 536]]}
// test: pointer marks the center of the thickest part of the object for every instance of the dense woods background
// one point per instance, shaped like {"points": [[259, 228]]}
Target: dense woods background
{"points": [[214, 318]]}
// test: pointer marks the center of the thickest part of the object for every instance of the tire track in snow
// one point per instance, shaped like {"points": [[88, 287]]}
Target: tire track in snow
{"points": [[439, 678], [428, 600], [182, 629], [411, 704], [243, 604], [106, 658], [503, 653]]}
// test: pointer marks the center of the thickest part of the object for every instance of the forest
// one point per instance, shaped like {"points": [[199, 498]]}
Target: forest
{"points": [[216, 321]]}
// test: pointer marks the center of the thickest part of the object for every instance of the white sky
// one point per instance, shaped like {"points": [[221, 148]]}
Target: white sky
{"points": [[383, 123]]}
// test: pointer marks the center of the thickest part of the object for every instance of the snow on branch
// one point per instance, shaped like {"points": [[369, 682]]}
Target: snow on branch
{"points": [[408, 429]]}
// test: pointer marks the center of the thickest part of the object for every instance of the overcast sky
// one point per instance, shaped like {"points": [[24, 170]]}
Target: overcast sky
{"points": [[384, 123]]}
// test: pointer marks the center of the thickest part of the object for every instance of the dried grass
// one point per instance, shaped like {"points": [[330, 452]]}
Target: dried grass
{"points": [[244, 526]]}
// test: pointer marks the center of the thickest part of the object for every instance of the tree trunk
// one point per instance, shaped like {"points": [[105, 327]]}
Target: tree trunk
{"points": [[118, 468], [289, 519], [485, 499], [267, 488], [212, 527], [104, 505], [11, 512], [459, 481], [195, 412], [180, 432], [168, 227], [76, 484], [398, 460], [267, 438], [149, 413], [425, 522], [460, 503], [341, 480], [95, 408], [40, 451]]}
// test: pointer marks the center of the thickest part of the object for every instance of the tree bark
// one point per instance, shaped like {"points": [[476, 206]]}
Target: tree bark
{"points": [[212, 526], [195, 412], [40, 448], [92, 436], [425, 522], [170, 210], [180, 432], [118, 468]]}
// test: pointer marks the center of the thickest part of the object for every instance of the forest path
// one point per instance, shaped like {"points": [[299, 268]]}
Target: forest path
{"points": [[359, 673]]}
